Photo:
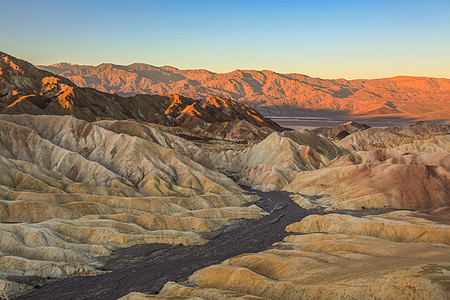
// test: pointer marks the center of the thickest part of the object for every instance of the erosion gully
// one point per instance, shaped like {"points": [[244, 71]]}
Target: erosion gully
{"points": [[146, 268]]}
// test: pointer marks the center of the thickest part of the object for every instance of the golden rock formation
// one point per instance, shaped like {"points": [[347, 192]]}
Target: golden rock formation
{"points": [[390, 256], [71, 190], [273, 163], [384, 185]]}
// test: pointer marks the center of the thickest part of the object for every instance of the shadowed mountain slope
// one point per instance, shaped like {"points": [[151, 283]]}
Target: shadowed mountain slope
{"points": [[26, 89], [273, 93]]}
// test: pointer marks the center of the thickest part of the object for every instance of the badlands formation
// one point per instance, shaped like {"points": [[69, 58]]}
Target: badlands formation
{"points": [[403, 254], [390, 256], [87, 175]]}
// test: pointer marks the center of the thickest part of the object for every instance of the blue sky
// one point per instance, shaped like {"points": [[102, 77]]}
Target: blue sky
{"points": [[328, 39]]}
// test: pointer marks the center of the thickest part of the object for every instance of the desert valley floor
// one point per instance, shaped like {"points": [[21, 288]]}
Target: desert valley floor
{"points": [[169, 197]]}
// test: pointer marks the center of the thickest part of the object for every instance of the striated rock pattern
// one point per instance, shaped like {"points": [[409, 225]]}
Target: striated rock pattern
{"points": [[71, 190], [421, 137], [341, 131], [393, 156], [390, 256], [383, 185], [326, 176], [177, 291], [398, 226], [273, 163], [8, 289], [274, 94], [402, 168]]}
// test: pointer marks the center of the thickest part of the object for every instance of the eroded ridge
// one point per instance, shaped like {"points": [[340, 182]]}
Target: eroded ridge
{"points": [[398, 255], [71, 191]]}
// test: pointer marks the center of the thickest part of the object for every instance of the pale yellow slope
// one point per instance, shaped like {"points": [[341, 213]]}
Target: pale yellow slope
{"points": [[348, 258], [71, 190], [272, 163]]}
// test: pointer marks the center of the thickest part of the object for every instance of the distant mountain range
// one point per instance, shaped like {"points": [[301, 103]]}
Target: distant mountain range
{"points": [[272, 93], [25, 89]]}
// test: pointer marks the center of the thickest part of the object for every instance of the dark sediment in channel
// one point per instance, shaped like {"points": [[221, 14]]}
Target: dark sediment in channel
{"points": [[146, 268]]}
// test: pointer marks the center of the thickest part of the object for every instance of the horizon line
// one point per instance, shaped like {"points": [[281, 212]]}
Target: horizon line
{"points": [[234, 70]]}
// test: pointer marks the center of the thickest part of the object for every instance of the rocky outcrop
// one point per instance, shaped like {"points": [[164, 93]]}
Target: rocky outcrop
{"points": [[393, 156], [398, 226], [422, 129], [176, 291], [9, 289], [384, 185], [167, 137], [239, 131], [421, 137]]}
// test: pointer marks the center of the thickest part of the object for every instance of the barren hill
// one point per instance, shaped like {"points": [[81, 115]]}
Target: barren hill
{"points": [[25, 89], [272, 93], [102, 195]]}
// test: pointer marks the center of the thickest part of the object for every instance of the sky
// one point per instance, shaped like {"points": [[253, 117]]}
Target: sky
{"points": [[327, 39]]}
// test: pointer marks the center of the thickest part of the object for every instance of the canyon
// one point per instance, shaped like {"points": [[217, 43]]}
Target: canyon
{"points": [[109, 192]]}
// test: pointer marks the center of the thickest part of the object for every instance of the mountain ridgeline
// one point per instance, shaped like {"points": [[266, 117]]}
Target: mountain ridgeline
{"points": [[275, 94], [25, 89], [105, 196]]}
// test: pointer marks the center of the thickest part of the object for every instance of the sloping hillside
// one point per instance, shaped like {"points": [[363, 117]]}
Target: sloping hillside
{"points": [[24, 89], [273, 93]]}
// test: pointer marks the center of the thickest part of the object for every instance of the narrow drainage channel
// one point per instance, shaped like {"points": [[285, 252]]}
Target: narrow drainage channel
{"points": [[146, 268]]}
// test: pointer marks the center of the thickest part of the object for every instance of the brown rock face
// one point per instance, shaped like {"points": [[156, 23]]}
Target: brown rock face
{"points": [[273, 93], [26, 89], [378, 185]]}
